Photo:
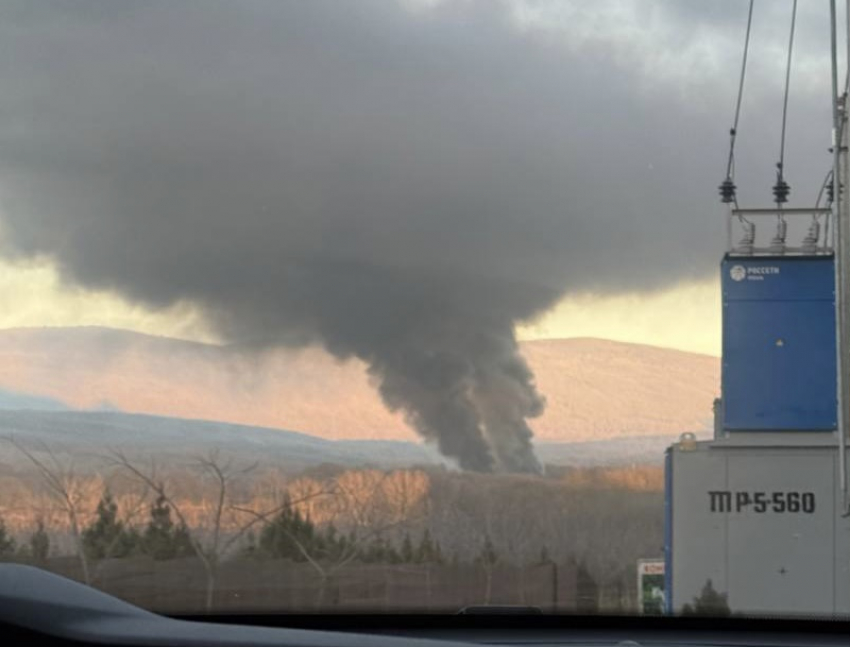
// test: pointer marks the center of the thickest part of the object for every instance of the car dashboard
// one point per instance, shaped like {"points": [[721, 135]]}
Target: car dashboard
{"points": [[38, 606]]}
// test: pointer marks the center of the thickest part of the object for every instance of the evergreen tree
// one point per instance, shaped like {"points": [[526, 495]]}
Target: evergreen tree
{"points": [[251, 548], [282, 537], [407, 554], [376, 551], [437, 556], [428, 551], [488, 558], [709, 603], [391, 554], [39, 544], [163, 539], [330, 541], [488, 555], [7, 542], [334, 545], [106, 536], [587, 591]]}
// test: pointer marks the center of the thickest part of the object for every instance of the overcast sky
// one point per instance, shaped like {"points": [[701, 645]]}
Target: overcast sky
{"points": [[156, 158]]}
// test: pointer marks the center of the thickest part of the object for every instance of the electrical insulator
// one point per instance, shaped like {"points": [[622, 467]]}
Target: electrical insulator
{"points": [[830, 191], [777, 245], [781, 191], [727, 191], [745, 245], [810, 242]]}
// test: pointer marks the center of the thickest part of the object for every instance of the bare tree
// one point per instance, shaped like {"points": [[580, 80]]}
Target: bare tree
{"points": [[227, 521], [69, 490], [365, 504]]}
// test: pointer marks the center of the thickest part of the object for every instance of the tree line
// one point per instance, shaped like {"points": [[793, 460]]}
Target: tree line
{"points": [[214, 509], [108, 536], [290, 535]]}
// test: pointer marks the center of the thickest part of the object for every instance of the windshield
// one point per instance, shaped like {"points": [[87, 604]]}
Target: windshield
{"points": [[417, 305]]}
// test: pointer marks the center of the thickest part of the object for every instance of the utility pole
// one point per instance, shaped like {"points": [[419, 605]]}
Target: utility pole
{"points": [[841, 251]]}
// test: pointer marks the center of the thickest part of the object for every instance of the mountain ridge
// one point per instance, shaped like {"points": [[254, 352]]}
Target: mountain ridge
{"points": [[88, 438], [595, 389]]}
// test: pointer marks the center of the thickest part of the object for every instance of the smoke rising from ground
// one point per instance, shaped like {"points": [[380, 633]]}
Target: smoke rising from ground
{"points": [[400, 186]]}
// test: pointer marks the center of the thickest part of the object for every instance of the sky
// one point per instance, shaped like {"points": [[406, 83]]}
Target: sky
{"points": [[685, 317], [569, 150]]}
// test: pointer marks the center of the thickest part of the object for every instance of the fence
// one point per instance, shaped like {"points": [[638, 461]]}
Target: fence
{"points": [[249, 585]]}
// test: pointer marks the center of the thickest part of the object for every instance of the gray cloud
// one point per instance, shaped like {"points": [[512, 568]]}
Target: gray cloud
{"points": [[399, 186]]}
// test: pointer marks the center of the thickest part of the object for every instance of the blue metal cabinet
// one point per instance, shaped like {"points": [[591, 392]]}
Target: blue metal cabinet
{"points": [[778, 344]]}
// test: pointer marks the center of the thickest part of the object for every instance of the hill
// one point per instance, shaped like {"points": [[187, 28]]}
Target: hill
{"points": [[9, 400], [595, 389], [86, 437]]}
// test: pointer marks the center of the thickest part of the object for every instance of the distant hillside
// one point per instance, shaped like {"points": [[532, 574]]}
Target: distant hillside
{"points": [[595, 389], [87, 436], [10, 400]]}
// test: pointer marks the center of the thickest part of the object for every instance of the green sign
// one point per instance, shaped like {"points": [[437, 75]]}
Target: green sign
{"points": [[651, 587]]}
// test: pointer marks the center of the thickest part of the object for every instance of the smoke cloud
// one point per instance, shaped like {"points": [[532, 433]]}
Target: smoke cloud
{"points": [[403, 186]]}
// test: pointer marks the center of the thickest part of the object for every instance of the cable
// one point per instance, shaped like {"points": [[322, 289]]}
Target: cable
{"points": [[781, 188], [727, 187], [847, 39], [827, 188], [840, 264]]}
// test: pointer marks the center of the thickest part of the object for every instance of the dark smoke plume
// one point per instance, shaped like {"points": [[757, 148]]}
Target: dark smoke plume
{"points": [[400, 186]]}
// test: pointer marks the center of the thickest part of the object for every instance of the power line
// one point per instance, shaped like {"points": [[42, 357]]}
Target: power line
{"points": [[781, 188], [727, 187]]}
